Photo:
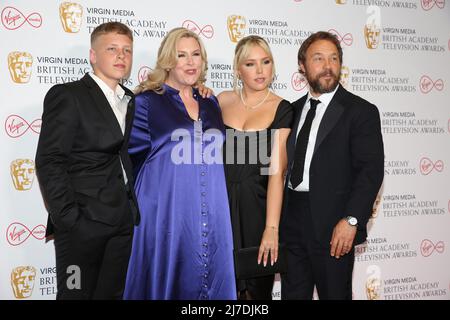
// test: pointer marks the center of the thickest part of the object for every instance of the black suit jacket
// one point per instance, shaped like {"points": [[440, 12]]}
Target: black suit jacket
{"points": [[78, 157], [347, 165]]}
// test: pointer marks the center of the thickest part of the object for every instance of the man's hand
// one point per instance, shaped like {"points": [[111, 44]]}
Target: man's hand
{"points": [[342, 239]]}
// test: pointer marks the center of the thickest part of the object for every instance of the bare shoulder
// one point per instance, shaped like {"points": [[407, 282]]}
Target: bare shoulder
{"points": [[275, 100], [226, 98]]}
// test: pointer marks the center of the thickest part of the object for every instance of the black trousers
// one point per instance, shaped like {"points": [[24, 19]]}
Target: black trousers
{"points": [[258, 288], [92, 259], [309, 261]]}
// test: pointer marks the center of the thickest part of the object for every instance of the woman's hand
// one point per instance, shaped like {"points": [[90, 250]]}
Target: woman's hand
{"points": [[269, 244], [204, 91]]}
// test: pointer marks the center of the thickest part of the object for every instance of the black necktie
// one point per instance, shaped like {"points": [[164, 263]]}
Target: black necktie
{"points": [[302, 144]]}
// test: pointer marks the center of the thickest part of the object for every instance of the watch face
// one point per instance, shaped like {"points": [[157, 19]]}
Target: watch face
{"points": [[352, 221]]}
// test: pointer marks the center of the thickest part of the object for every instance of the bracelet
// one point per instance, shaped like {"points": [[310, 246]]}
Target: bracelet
{"points": [[272, 227]]}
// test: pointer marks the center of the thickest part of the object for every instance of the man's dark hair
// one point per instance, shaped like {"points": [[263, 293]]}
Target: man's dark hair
{"points": [[320, 35]]}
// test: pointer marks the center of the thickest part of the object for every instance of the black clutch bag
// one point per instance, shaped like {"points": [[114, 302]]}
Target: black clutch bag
{"points": [[246, 263]]}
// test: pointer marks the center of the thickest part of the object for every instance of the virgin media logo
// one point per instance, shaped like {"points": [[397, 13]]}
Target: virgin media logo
{"points": [[427, 247], [428, 4], [427, 84], [143, 73], [427, 166], [206, 31], [298, 81], [16, 126], [13, 19], [346, 39], [17, 233]]}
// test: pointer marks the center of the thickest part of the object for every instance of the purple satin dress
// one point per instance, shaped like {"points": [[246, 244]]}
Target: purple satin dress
{"points": [[183, 247]]}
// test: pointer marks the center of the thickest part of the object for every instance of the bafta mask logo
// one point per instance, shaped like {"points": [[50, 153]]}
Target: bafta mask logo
{"points": [[373, 283], [345, 74], [341, 1], [372, 28], [377, 202], [372, 35], [22, 281], [71, 15], [22, 174], [236, 27], [376, 206], [20, 65]]}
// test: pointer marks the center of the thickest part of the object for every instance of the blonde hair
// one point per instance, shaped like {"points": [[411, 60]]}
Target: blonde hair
{"points": [[242, 51], [167, 59], [111, 27]]}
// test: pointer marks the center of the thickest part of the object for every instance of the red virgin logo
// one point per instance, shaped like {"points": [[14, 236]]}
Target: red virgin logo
{"points": [[206, 31], [13, 19], [143, 73], [427, 84], [17, 233], [428, 4], [427, 166], [298, 81], [427, 247], [346, 39], [16, 126]]}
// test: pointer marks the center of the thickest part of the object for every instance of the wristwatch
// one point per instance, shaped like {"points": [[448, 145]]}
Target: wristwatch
{"points": [[351, 221]]}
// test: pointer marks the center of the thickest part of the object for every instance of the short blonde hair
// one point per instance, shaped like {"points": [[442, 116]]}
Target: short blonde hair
{"points": [[111, 27], [167, 60], [242, 51]]}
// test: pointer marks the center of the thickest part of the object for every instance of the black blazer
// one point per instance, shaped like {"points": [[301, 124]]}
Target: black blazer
{"points": [[347, 165], [78, 157]]}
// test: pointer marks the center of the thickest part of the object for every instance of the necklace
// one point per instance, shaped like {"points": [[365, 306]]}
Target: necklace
{"points": [[256, 105]]}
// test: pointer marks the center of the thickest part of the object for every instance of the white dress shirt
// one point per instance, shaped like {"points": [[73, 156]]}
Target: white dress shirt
{"points": [[325, 100], [118, 101]]}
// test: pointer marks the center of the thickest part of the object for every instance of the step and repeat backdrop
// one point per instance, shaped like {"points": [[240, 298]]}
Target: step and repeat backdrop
{"points": [[396, 55]]}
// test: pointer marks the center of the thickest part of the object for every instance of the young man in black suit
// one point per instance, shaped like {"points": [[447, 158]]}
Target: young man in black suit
{"points": [[335, 169], [85, 173]]}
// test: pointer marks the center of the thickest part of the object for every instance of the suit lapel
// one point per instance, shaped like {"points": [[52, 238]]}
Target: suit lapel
{"points": [[103, 106], [130, 113], [298, 107], [331, 117]]}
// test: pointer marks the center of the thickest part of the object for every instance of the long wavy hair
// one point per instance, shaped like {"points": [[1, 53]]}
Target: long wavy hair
{"points": [[167, 60]]}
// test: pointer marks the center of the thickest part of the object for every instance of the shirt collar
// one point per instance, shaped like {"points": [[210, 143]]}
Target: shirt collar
{"points": [[174, 91], [324, 98], [119, 92]]}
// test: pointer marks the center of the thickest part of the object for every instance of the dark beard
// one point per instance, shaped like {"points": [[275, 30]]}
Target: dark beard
{"points": [[317, 87]]}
